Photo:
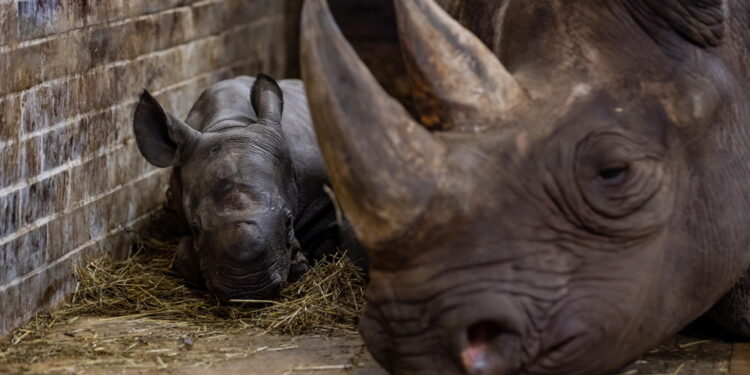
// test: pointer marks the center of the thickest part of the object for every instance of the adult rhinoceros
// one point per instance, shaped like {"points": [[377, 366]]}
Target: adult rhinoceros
{"points": [[588, 198]]}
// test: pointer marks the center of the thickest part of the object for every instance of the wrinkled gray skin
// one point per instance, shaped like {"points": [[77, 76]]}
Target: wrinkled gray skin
{"points": [[589, 198], [248, 181]]}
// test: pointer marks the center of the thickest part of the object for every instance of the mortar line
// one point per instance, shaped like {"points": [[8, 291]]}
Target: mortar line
{"points": [[86, 115], [104, 151], [141, 57], [47, 219], [61, 169], [106, 23], [40, 270]]}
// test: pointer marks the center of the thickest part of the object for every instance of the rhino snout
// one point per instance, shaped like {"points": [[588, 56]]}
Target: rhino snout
{"points": [[475, 334], [241, 263], [242, 242], [228, 289], [483, 335]]}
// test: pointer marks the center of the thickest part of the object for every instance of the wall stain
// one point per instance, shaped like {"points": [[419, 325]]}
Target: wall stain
{"points": [[33, 15]]}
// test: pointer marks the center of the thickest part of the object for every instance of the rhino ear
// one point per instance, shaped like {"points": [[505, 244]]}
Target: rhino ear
{"points": [[159, 134], [267, 99], [702, 22]]}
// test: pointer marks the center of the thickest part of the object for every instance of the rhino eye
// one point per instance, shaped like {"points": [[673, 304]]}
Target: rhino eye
{"points": [[615, 175]]}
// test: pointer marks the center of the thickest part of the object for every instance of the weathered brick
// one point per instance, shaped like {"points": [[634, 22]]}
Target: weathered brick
{"points": [[99, 88], [102, 45], [30, 291], [179, 100], [10, 112], [32, 157], [213, 17], [48, 287], [10, 299], [69, 15], [108, 171], [62, 145], [137, 199], [46, 105], [66, 233], [19, 161], [34, 15], [104, 214], [39, 292], [107, 129], [9, 214], [96, 219], [9, 262], [23, 255], [97, 177], [44, 198], [8, 23], [11, 157], [93, 47]]}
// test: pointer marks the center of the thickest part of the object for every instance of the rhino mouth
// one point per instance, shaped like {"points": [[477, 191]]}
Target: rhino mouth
{"points": [[238, 282], [229, 290]]}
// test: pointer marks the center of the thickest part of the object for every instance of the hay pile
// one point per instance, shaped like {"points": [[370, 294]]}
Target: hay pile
{"points": [[327, 300]]}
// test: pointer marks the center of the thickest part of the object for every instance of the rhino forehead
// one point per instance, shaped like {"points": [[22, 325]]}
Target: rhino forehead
{"points": [[225, 167]]}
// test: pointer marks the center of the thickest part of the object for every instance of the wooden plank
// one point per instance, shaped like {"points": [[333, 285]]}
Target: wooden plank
{"points": [[740, 362]]}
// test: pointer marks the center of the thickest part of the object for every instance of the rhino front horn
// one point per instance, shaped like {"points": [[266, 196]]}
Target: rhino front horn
{"points": [[472, 87], [383, 165]]}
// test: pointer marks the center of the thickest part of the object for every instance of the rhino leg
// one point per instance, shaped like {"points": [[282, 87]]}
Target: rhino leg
{"points": [[186, 263], [300, 264], [732, 312]]}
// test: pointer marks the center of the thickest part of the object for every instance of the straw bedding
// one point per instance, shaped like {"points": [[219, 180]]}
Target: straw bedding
{"points": [[326, 301]]}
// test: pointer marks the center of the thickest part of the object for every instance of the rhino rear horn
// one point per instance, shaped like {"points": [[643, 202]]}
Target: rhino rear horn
{"points": [[383, 165], [454, 66], [158, 133], [267, 99]]}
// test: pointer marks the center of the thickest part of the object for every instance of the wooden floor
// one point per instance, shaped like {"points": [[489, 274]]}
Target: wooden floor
{"points": [[136, 346], [690, 356]]}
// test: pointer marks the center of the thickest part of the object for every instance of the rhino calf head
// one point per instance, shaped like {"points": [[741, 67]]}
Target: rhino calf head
{"points": [[577, 210], [236, 183]]}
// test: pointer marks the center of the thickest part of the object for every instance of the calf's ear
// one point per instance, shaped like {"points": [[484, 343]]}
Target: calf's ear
{"points": [[159, 134], [267, 99]]}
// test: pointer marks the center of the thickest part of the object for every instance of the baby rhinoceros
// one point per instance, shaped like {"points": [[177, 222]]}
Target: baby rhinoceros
{"points": [[248, 180]]}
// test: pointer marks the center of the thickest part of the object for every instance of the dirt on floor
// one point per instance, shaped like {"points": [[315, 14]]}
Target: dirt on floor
{"points": [[143, 346]]}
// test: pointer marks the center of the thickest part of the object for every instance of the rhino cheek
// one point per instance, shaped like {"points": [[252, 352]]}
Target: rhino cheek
{"points": [[570, 348], [257, 274]]}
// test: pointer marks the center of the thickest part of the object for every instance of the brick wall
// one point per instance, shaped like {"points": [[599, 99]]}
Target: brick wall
{"points": [[71, 179]]}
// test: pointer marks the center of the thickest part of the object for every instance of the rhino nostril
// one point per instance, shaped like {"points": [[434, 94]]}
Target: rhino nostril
{"points": [[475, 356], [483, 332], [490, 347]]}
